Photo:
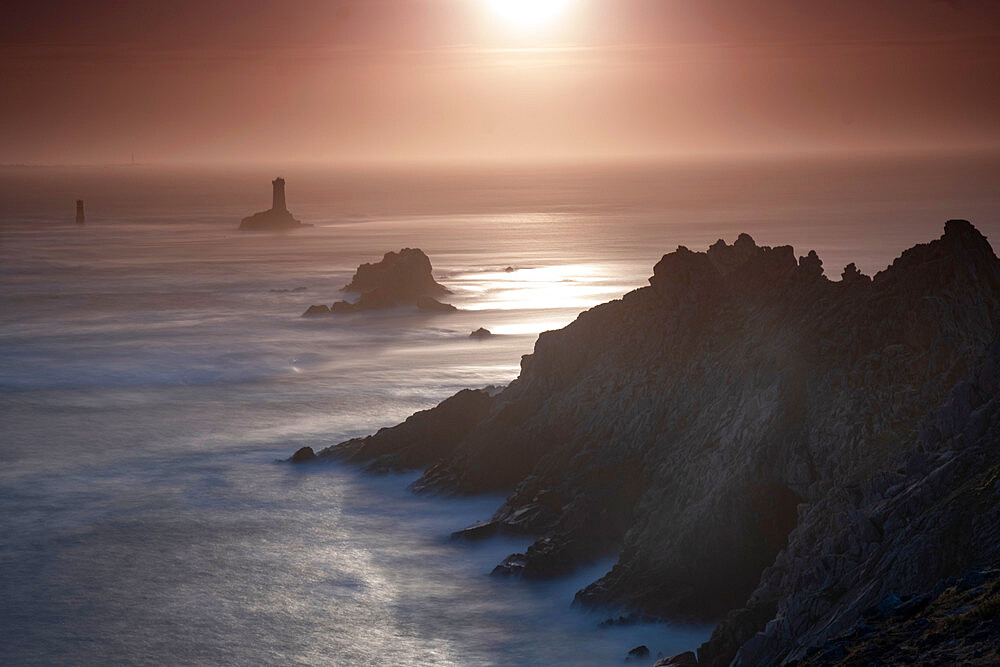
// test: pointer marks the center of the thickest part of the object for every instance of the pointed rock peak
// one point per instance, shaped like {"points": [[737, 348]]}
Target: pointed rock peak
{"points": [[965, 234], [962, 248], [771, 264], [852, 276], [959, 227], [728, 258], [683, 269], [811, 266]]}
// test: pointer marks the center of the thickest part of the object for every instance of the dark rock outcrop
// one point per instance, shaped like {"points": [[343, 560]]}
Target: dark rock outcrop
{"points": [[406, 273], [423, 438], [303, 455], [952, 624], [760, 444], [638, 653], [312, 311], [429, 304], [402, 278], [270, 221], [686, 659], [481, 332], [852, 276]]}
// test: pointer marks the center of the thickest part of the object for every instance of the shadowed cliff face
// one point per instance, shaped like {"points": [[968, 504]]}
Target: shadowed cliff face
{"points": [[892, 566], [697, 425]]}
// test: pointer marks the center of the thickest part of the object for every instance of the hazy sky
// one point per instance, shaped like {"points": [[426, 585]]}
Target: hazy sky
{"points": [[346, 80]]}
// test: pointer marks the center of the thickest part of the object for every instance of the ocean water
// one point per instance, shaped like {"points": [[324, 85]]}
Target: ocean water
{"points": [[154, 367]]}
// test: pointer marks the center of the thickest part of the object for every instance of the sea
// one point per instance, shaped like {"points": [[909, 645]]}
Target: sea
{"points": [[155, 370]]}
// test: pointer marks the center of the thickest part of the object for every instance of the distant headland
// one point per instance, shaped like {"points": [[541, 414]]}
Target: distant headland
{"points": [[277, 218]]}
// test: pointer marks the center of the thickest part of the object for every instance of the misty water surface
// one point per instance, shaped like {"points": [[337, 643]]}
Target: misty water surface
{"points": [[153, 368]]}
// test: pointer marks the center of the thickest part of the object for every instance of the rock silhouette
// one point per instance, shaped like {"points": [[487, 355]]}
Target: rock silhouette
{"points": [[80, 217], [312, 311], [429, 304], [401, 278], [303, 455], [800, 457], [687, 659], [639, 653], [276, 218], [429, 434], [481, 332]]}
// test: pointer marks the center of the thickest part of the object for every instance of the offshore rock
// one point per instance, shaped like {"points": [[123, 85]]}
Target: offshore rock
{"points": [[757, 443], [303, 455], [638, 653], [406, 273], [402, 278], [312, 311], [270, 221], [429, 304], [481, 332]]}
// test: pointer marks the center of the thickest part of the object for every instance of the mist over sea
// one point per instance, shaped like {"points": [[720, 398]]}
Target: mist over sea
{"points": [[153, 368]]}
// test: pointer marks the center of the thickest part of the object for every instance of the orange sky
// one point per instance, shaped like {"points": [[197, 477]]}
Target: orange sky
{"points": [[367, 80]]}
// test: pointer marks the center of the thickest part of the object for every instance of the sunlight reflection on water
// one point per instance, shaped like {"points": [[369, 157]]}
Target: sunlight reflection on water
{"points": [[160, 524], [154, 364]]}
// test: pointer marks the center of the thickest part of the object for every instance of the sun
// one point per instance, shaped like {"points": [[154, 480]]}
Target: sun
{"points": [[528, 13]]}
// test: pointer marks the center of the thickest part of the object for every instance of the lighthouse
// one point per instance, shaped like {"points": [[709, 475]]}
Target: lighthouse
{"points": [[278, 195], [80, 218], [276, 218]]}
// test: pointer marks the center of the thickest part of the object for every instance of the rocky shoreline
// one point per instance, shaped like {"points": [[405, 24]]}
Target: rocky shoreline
{"points": [[759, 444]]}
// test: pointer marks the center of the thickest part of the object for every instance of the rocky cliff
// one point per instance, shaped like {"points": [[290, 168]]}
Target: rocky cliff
{"points": [[757, 443]]}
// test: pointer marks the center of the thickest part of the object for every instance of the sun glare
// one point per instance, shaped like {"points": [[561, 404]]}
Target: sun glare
{"points": [[528, 13]]}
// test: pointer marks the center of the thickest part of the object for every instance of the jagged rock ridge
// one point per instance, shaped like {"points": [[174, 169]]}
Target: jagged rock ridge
{"points": [[720, 428]]}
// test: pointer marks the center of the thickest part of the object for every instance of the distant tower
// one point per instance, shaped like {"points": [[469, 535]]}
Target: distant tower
{"points": [[80, 219], [278, 198]]}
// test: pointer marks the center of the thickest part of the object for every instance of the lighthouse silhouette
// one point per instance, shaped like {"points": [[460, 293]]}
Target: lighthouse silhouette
{"points": [[277, 217], [278, 195]]}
